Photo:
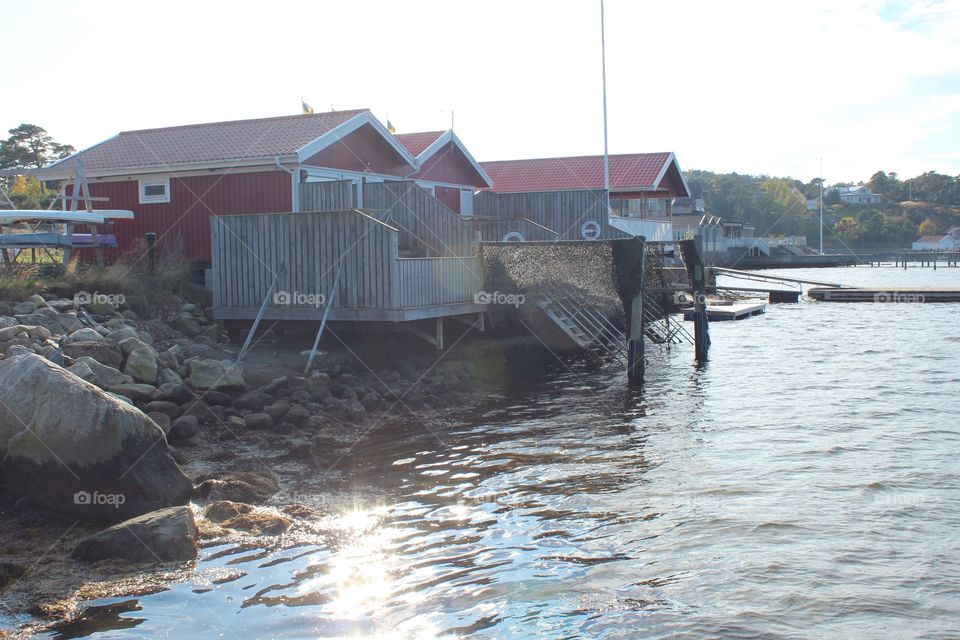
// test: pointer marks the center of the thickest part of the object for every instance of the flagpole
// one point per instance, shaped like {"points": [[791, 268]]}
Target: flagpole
{"points": [[821, 206], [606, 156]]}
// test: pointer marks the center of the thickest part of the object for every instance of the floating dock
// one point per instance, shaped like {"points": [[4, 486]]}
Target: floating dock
{"points": [[736, 311], [882, 294]]}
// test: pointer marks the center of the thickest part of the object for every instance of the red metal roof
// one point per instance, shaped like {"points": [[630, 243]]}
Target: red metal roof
{"points": [[417, 142], [633, 171], [211, 142], [932, 238]]}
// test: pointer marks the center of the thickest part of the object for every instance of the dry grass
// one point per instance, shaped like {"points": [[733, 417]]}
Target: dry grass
{"points": [[152, 291]]}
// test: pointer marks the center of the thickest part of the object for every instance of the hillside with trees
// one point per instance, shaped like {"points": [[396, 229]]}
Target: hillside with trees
{"points": [[923, 205]]}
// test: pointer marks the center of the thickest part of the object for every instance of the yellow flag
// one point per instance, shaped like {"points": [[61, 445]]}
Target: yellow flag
{"points": [[390, 127], [307, 109]]}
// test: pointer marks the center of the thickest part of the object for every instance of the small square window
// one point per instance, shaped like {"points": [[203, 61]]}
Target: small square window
{"points": [[154, 191]]}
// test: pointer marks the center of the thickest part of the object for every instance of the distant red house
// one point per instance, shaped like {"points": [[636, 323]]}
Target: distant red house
{"points": [[174, 179], [641, 184]]}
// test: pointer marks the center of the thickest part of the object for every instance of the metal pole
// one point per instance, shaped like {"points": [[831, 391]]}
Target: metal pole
{"points": [[821, 206], [606, 155], [151, 239]]}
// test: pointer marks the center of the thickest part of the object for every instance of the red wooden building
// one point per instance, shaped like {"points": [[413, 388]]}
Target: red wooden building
{"points": [[174, 179]]}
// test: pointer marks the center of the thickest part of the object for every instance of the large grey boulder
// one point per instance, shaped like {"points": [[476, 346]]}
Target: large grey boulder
{"points": [[141, 365], [102, 351], [129, 345], [106, 376], [84, 335], [165, 535], [216, 374], [84, 372], [67, 445]]}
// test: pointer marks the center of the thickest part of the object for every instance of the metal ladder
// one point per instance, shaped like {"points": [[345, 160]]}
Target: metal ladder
{"points": [[585, 326]]}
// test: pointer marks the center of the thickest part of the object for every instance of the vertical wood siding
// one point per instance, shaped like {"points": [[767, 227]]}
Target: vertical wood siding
{"points": [[561, 211], [248, 251], [436, 281], [425, 225], [185, 220], [327, 196]]}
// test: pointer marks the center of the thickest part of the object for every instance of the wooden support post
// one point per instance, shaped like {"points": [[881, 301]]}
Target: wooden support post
{"points": [[323, 322], [698, 282], [263, 307], [635, 356], [151, 239], [635, 363]]}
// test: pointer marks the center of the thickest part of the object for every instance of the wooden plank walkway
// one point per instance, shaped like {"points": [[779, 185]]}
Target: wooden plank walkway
{"points": [[884, 294]]}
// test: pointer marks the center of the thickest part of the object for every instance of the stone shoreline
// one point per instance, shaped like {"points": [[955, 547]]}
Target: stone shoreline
{"points": [[260, 450]]}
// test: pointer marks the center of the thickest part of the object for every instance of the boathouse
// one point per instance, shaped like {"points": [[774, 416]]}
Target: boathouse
{"points": [[175, 179], [642, 188]]}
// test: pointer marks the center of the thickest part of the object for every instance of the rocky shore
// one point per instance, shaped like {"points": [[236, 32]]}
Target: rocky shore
{"points": [[129, 442]]}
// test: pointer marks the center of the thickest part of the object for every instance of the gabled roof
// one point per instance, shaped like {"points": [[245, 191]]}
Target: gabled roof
{"points": [[633, 172], [221, 143], [424, 145], [932, 238], [417, 142]]}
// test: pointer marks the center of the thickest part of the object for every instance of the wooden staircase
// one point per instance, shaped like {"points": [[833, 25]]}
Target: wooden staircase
{"points": [[586, 327]]}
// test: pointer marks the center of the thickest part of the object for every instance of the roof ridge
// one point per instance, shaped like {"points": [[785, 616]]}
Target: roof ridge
{"points": [[591, 155], [222, 122], [422, 133]]}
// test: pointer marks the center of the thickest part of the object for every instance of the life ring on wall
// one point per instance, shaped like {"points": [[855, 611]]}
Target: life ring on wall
{"points": [[513, 236], [590, 230]]}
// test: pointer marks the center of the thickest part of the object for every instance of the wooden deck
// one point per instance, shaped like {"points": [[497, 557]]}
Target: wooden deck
{"points": [[295, 261], [881, 294], [736, 311]]}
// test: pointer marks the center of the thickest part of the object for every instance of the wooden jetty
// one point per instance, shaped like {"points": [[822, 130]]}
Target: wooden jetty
{"points": [[735, 311], [884, 294]]}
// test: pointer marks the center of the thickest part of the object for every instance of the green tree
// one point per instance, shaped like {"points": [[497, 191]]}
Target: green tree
{"points": [[847, 228], [927, 228], [30, 146]]}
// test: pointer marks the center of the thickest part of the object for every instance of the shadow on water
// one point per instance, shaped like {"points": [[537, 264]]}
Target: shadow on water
{"points": [[100, 619]]}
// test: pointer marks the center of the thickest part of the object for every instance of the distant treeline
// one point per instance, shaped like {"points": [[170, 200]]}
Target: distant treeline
{"points": [[926, 204]]}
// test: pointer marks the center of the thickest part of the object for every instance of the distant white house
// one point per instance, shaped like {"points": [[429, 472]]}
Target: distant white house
{"points": [[858, 195], [941, 243]]}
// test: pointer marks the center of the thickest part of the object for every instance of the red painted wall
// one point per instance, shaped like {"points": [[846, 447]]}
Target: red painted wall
{"points": [[362, 150], [449, 196], [193, 199], [450, 165]]}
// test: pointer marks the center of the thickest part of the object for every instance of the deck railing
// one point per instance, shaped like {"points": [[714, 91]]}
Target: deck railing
{"points": [[435, 281]]}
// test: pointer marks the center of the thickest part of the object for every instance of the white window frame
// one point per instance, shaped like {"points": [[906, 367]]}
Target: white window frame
{"points": [[152, 182]]}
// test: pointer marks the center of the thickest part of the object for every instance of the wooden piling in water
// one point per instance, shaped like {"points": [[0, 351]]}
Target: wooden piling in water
{"points": [[698, 282], [635, 359]]}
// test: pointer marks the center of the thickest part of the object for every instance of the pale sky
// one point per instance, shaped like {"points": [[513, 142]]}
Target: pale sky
{"points": [[754, 87]]}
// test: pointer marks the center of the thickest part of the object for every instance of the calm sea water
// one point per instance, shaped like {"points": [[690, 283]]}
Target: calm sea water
{"points": [[802, 484]]}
